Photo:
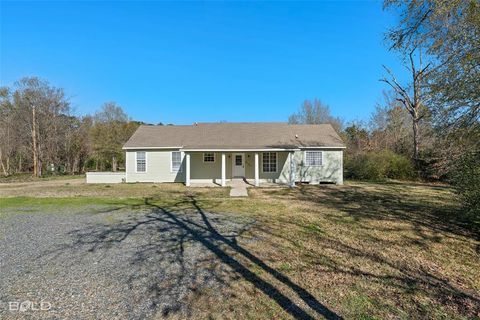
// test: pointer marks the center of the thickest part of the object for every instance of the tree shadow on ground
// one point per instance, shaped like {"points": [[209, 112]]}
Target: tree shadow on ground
{"points": [[361, 204], [427, 223], [165, 261]]}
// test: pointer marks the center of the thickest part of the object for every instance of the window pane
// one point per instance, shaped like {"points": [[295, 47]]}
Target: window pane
{"points": [[313, 158], [269, 162], [209, 157], [141, 166], [141, 161], [176, 160], [238, 160]]}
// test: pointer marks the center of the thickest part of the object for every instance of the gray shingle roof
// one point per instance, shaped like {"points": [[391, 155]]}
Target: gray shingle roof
{"points": [[235, 136]]}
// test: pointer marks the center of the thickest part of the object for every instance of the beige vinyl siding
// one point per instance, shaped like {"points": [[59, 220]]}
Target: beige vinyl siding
{"points": [[268, 176], [331, 169], [250, 166], [158, 167], [211, 171]]}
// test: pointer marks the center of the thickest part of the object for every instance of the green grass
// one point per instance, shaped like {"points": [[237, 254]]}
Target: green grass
{"points": [[15, 202], [365, 250]]}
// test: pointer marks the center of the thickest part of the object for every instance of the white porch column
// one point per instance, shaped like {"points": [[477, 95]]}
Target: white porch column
{"points": [[292, 169], [187, 169], [223, 170], [257, 180]]}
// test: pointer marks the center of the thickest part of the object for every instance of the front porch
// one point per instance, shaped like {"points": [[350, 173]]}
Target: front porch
{"points": [[234, 182], [213, 168], [238, 187]]}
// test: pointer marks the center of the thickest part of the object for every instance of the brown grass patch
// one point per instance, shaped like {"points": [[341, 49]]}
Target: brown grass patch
{"points": [[363, 250]]}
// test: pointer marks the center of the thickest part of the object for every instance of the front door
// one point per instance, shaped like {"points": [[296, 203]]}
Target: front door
{"points": [[238, 165]]}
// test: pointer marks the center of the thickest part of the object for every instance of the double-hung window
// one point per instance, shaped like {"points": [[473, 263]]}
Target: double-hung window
{"points": [[176, 161], [313, 158], [269, 162], [209, 157], [141, 161]]}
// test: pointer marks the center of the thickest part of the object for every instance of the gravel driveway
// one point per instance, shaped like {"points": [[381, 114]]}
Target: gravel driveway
{"points": [[112, 263]]}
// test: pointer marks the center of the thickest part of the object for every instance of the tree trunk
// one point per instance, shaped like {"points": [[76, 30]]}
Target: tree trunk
{"points": [[39, 169], [1, 162], [416, 138], [34, 144], [114, 163], [76, 165], [416, 146]]}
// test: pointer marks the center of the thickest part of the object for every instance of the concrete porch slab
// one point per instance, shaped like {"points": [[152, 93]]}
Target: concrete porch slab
{"points": [[238, 186]]}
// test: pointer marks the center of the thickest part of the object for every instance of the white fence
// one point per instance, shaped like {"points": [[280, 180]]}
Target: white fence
{"points": [[105, 177]]}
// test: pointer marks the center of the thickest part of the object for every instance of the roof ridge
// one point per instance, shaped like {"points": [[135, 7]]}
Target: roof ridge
{"points": [[245, 122], [233, 123]]}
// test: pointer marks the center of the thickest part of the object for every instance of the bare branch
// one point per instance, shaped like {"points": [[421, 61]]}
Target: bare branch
{"points": [[398, 88]]}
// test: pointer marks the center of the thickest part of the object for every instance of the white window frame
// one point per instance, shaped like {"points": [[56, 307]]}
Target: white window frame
{"points": [[313, 165], [276, 162], [171, 162], [136, 162], [214, 158]]}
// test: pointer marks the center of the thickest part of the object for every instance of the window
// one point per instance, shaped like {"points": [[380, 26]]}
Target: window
{"points": [[313, 158], [269, 162], [209, 157], [238, 160], [141, 161], [176, 161]]}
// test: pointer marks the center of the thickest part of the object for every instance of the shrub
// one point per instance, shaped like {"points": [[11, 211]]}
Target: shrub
{"points": [[466, 180], [399, 167], [363, 167], [379, 166]]}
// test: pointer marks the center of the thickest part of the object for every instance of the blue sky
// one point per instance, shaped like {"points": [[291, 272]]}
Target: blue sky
{"points": [[181, 62]]}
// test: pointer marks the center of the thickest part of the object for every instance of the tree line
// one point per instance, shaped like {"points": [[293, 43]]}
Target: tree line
{"points": [[429, 126], [39, 133], [425, 128]]}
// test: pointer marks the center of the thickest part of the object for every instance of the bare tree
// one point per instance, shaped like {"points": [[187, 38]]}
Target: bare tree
{"points": [[315, 113], [390, 125], [38, 132], [37, 110], [410, 96], [111, 129], [6, 143], [450, 33]]}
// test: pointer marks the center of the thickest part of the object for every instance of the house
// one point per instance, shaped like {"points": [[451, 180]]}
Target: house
{"points": [[218, 152]]}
